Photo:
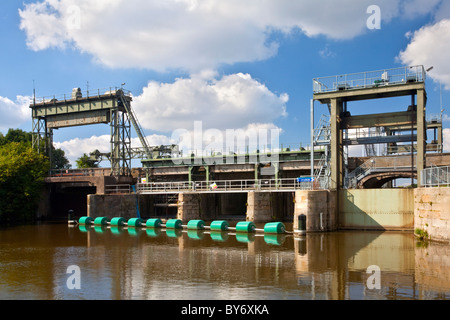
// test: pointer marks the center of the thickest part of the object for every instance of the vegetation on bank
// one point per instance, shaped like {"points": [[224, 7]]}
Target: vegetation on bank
{"points": [[22, 173], [421, 234]]}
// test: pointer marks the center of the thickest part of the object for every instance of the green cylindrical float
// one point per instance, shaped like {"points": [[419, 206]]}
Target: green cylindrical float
{"points": [[134, 231], [85, 220], [245, 237], [84, 228], [245, 226], [174, 224], [100, 221], [174, 233], [196, 225], [274, 239], [219, 235], [135, 222], [274, 227], [100, 228], [196, 234], [118, 221], [153, 232], [219, 225], [153, 223], [116, 230]]}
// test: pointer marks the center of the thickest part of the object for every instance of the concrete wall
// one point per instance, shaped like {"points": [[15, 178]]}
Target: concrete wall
{"points": [[431, 264], [259, 206], [269, 206], [119, 205], [319, 207], [432, 212], [378, 209]]}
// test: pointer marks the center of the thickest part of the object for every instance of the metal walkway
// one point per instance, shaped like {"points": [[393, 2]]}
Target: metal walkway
{"points": [[229, 186]]}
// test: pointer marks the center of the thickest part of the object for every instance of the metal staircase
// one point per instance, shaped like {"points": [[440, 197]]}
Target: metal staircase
{"points": [[134, 122], [322, 134], [359, 173]]}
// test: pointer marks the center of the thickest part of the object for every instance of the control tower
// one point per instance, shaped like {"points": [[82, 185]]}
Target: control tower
{"points": [[338, 92], [112, 105]]}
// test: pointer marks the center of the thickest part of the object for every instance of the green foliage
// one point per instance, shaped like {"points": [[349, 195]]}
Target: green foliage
{"points": [[22, 172], [86, 162], [59, 160], [421, 234], [16, 135]]}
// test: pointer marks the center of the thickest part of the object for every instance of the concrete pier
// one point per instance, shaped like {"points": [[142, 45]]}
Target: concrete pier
{"points": [[432, 212], [319, 208], [323, 210]]}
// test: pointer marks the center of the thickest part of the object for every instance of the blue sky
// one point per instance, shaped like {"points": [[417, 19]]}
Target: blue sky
{"points": [[231, 65]]}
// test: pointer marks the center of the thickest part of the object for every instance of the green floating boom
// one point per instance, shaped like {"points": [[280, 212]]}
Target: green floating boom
{"points": [[174, 224], [118, 221], [135, 222], [245, 226], [101, 221], [219, 225], [153, 223], [196, 224], [274, 227], [85, 220]]}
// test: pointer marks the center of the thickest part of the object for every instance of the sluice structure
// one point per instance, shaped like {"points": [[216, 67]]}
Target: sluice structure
{"points": [[314, 188], [108, 106]]}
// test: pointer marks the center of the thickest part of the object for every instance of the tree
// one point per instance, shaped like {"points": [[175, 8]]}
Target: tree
{"points": [[86, 162], [59, 160], [16, 135], [22, 173]]}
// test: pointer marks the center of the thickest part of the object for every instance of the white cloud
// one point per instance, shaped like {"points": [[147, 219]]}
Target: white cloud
{"points": [[193, 34], [430, 46], [237, 140], [199, 140], [14, 113], [446, 137], [232, 101], [75, 148]]}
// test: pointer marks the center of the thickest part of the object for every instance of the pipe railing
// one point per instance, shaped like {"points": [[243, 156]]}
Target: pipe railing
{"points": [[369, 79], [292, 184], [435, 177]]}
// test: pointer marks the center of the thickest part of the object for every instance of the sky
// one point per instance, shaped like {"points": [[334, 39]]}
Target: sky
{"points": [[240, 65]]}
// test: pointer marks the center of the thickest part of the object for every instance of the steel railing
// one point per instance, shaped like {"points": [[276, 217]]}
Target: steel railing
{"points": [[369, 79], [291, 184], [79, 94], [91, 172], [118, 188], [379, 164], [435, 177]]}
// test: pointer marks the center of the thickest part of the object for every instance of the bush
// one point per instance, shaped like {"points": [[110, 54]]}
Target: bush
{"points": [[22, 173]]}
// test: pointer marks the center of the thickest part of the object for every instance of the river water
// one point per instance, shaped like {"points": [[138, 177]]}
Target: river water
{"points": [[57, 261]]}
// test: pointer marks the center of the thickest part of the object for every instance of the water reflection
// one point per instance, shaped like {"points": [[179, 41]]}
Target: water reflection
{"points": [[135, 263]]}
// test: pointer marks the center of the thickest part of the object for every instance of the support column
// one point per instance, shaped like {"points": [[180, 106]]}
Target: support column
{"points": [[276, 166], [189, 206], [190, 176], [421, 133], [319, 207], [312, 136], [207, 175], [259, 207], [336, 145], [256, 172]]}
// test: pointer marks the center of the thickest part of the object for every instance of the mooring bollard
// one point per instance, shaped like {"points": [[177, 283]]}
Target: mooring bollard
{"points": [[301, 224]]}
